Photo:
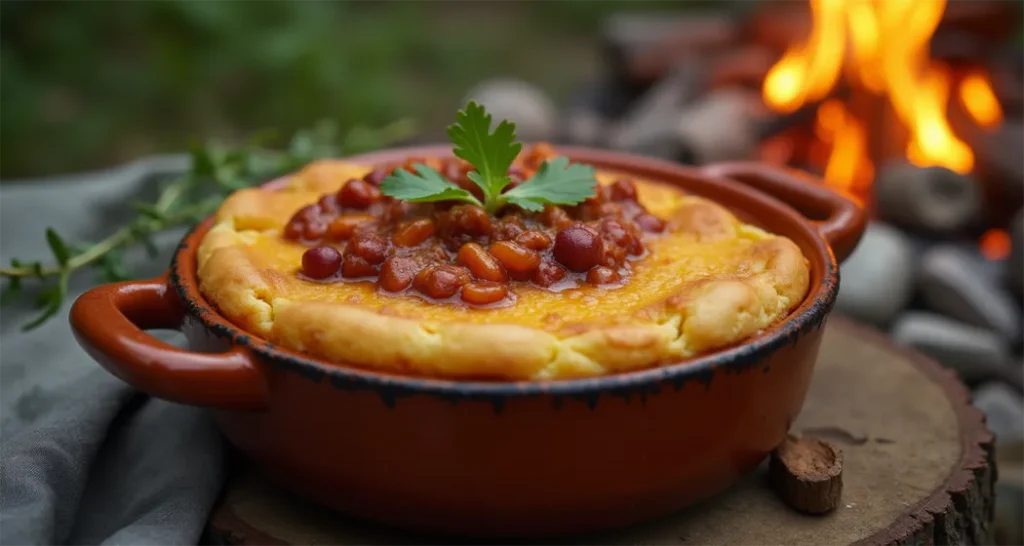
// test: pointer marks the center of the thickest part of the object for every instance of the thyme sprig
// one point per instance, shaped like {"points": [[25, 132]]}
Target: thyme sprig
{"points": [[215, 171]]}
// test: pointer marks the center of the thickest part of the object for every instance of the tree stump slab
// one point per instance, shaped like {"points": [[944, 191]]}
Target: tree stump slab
{"points": [[918, 469]]}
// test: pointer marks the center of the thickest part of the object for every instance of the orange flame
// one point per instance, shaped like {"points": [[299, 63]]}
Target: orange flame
{"points": [[980, 101], [846, 168], [883, 46]]}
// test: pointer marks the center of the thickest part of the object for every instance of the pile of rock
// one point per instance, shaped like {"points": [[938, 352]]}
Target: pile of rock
{"points": [[944, 298]]}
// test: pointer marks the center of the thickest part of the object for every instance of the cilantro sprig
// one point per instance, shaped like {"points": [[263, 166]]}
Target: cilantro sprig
{"points": [[556, 182]]}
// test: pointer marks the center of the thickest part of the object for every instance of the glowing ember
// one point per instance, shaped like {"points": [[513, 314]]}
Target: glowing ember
{"points": [[881, 47], [995, 244]]}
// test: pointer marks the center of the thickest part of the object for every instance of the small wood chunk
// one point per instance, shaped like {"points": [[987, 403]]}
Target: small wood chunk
{"points": [[807, 474]]}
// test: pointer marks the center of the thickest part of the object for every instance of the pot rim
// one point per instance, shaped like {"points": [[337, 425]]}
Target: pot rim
{"points": [[809, 315]]}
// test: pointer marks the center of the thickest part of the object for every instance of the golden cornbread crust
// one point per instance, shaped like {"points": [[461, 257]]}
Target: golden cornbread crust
{"points": [[710, 281]]}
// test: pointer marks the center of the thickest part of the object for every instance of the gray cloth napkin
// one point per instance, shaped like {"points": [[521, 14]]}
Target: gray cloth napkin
{"points": [[84, 458]]}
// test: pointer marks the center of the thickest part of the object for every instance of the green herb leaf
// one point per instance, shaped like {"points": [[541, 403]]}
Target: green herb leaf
{"points": [[491, 154], [425, 187], [51, 299], [112, 267], [556, 182], [148, 210], [202, 160], [9, 294], [214, 172], [12, 291], [58, 247], [143, 234]]}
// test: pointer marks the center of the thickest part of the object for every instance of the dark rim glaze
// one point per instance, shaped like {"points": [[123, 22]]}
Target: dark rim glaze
{"points": [[809, 315]]}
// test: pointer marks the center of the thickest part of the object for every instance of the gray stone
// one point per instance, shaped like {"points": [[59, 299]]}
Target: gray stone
{"points": [[1004, 409], [586, 128], [993, 269], [722, 126], [589, 109], [706, 31], [930, 199], [1015, 265], [531, 109], [641, 48], [998, 155], [877, 279], [975, 354], [951, 281], [654, 117]]}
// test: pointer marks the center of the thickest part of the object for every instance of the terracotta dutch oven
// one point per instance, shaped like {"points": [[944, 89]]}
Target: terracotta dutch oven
{"points": [[497, 459]]}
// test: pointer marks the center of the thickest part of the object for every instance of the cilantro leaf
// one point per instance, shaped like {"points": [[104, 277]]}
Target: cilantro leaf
{"points": [[491, 154], [425, 187], [556, 182]]}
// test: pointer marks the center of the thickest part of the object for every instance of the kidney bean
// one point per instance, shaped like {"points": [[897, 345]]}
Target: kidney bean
{"points": [[329, 204], [506, 231], [579, 248], [534, 240], [649, 222], [464, 220], [519, 261], [314, 230], [624, 235], [555, 217], [394, 211], [397, 273], [623, 190], [357, 194], [369, 246], [342, 227], [413, 233], [355, 266], [481, 264], [321, 262], [294, 229], [549, 272], [375, 176], [483, 292], [608, 209], [308, 212], [440, 281]]}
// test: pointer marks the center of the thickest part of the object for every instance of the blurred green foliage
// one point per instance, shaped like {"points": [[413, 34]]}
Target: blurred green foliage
{"points": [[88, 84]]}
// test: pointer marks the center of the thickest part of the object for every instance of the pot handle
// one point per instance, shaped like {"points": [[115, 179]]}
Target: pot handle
{"points": [[109, 322], [839, 218]]}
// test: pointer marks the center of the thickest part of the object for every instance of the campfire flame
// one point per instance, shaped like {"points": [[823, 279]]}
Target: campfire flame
{"points": [[880, 48], [979, 101]]}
